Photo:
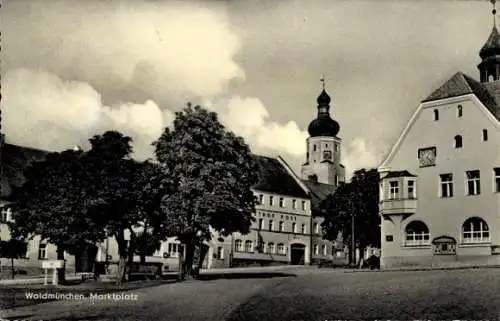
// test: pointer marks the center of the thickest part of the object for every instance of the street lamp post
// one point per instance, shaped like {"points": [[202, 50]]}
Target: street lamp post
{"points": [[353, 240]]}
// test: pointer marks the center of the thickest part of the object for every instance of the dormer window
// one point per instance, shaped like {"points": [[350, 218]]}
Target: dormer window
{"points": [[458, 141], [459, 111], [436, 114], [485, 135]]}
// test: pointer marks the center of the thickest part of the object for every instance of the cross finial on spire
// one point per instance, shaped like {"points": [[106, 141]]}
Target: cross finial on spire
{"points": [[322, 79], [494, 12]]}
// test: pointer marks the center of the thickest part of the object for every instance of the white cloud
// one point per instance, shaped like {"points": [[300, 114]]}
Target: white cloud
{"points": [[249, 118], [42, 110], [360, 153], [158, 48]]}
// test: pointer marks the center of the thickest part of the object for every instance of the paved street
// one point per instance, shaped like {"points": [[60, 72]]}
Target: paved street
{"points": [[313, 294]]}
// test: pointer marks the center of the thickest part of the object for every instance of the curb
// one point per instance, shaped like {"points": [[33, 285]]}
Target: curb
{"points": [[423, 269]]}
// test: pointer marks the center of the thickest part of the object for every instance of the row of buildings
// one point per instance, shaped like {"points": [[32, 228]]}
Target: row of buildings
{"points": [[284, 224]]}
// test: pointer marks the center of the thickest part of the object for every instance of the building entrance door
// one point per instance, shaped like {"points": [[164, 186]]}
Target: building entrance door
{"points": [[298, 254]]}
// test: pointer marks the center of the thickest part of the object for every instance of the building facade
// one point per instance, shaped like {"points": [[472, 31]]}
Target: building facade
{"points": [[440, 184]]}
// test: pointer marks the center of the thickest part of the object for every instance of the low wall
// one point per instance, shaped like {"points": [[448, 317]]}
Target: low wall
{"points": [[431, 261]]}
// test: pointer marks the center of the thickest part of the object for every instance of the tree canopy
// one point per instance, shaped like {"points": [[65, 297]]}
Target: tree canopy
{"points": [[212, 172], [358, 200], [52, 203]]}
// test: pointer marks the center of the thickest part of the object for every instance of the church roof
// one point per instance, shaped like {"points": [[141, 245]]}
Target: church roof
{"points": [[14, 160], [461, 84], [492, 45], [274, 178], [319, 191]]}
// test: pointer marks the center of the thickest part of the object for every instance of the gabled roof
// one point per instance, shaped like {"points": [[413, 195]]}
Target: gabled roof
{"points": [[461, 84], [14, 160], [275, 178], [394, 174], [319, 192], [487, 93]]}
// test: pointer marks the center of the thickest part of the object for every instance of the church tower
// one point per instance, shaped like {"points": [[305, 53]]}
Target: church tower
{"points": [[323, 146], [489, 68]]}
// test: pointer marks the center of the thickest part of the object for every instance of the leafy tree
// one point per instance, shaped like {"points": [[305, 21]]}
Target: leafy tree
{"points": [[112, 175], [150, 187], [212, 172], [52, 203], [13, 249], [146, 244], [357, 200]]}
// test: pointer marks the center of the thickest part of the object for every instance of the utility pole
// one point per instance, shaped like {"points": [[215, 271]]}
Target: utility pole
{"points": [[353, 240]]}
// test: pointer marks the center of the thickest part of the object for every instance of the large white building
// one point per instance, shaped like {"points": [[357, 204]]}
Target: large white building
{"points": [[440, 186]]}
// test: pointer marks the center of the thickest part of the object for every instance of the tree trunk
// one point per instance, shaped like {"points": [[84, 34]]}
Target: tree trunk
{"points": [[187, 264], [203, 253], [12, 267], [131, 252], [61, 273], [122, 262], [361, 255]]}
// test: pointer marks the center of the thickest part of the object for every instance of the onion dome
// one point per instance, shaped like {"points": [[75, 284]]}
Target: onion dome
{"points": [[323, 125], [324, 98], [492, 45]]}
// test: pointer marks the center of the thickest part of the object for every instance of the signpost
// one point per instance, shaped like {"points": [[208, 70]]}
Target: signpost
{"points": [[54, 265]]}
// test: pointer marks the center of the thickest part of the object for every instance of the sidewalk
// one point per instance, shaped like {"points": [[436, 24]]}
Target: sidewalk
{"points": [[40, 280], [429, 268]]}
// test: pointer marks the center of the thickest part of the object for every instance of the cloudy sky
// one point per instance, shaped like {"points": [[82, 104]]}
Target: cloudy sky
{"points": [[75, 68]]}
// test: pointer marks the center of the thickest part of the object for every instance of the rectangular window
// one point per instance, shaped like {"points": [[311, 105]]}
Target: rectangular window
{"points": [[271, 199], [316, 228], [411, 189], [316, 249], [294, 227], [261, 199], [42, 251], [220, 253], [174, 249], [393, 190], [497, 179], [6, 214], [294, 204], [389, 238], [323, 248], [282, 226], [271, 225], [304, 205], [473, 182], [261, 224], [336, 180], [446, 185], [303, 229], [282, 202]]}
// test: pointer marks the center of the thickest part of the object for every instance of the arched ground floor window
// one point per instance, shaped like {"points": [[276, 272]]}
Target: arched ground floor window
{"points": [[475, 230], [417, 233]]}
